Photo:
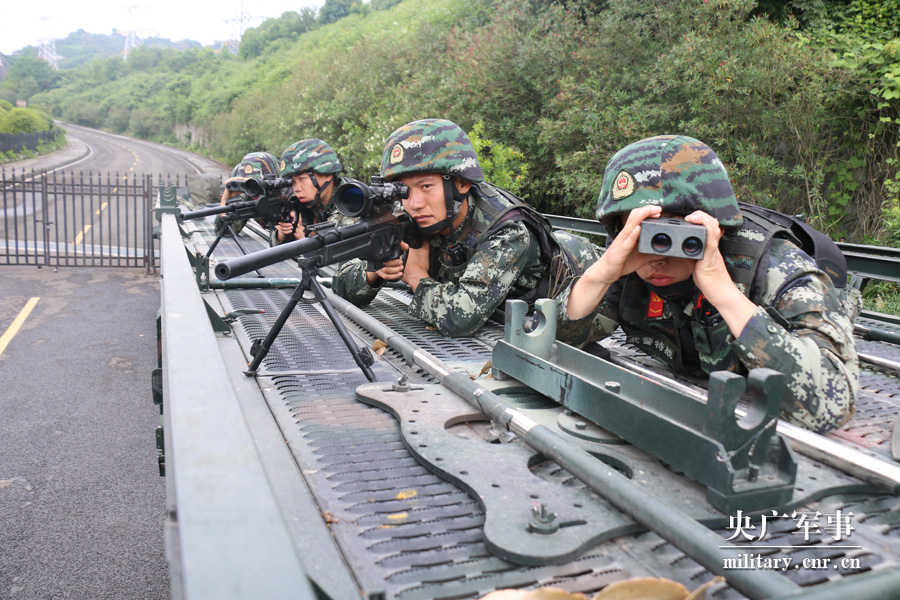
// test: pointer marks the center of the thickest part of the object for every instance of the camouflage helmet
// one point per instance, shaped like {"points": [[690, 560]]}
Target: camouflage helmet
{"points": [[261, 165], [309, 155], [430, 146], [679, 173]]}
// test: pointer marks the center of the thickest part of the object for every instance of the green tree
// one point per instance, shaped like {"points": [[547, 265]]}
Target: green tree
{"points": [[23, 120], [383, 4], [35, 70], [335, 10]]}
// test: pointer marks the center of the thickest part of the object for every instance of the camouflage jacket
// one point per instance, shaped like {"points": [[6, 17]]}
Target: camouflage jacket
{"points": [[458, 300], [800, 328]]}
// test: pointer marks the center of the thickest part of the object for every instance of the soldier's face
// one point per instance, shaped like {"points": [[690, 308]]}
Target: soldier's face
{"points": [[661, 271], [426, 203], [305, 190]]}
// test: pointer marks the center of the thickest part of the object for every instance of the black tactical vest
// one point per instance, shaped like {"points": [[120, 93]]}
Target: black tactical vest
{"points": [[501, 208], [688, 333]]}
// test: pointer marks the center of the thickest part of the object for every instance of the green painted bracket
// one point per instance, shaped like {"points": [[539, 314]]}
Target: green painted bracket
{"points": [[744, 463], [200, 265], [219, 324]]}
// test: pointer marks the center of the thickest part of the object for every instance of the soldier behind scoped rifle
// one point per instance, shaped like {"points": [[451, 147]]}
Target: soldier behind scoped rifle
{"points": [[747, 298], [254, 165], [313, 167], [482, 244]]}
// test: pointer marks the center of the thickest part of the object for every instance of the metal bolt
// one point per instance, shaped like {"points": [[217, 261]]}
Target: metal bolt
{"points": [[580, 425], [401, 385], [542, 520]]}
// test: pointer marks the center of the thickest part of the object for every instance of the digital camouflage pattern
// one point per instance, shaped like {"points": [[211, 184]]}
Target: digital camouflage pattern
{"points": [[258, 165], [254, 165], [679, 173], [800, 329], [309, 155], [506, 263], [430, 146]]}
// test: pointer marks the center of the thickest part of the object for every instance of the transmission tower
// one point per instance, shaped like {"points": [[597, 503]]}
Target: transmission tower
{"points": [[47, 50], [132, 35], [239, 25], [48, 53]]}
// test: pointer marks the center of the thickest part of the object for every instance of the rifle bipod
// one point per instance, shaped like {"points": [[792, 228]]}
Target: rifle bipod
{"points": [[227, 220], [308, 281]]}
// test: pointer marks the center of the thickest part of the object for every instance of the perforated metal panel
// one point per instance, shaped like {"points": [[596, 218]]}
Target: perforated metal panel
{"points": [[407, 533]]}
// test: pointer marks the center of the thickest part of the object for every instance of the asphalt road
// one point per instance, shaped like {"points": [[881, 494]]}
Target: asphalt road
{"points": [[81, 500], [82, 505]]}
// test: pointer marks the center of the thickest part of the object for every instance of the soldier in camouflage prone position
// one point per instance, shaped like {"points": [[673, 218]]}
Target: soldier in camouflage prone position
{"points": [[313, 168], [753, 300], [482, 244], [254, 165]]}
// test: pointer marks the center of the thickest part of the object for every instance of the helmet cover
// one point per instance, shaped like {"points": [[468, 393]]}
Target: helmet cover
{"points": [[256, 165], [430, 146], [678, 173], [309, 155]]}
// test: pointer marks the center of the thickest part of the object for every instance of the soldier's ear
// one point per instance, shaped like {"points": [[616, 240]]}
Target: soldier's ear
{"points": [[462, 185]]}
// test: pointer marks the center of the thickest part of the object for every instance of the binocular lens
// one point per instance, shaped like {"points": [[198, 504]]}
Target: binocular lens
{"points": [[661, 242], [692, 246]]}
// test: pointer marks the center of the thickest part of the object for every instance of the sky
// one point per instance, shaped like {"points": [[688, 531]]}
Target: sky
{"points": [[206, 21]]}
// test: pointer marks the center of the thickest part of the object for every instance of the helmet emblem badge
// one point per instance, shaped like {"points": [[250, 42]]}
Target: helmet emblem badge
{"points": [[623, 186], [248, 169], [397, 154]]}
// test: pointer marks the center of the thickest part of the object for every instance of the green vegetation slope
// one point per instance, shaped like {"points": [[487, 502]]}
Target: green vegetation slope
{"points": [[801, 100]]}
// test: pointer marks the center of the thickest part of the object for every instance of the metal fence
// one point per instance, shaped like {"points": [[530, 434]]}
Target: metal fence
{"points": [[84, 220], [27, 141]]}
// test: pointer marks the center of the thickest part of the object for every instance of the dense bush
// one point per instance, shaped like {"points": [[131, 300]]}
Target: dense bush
{"points": [[23, 120]]}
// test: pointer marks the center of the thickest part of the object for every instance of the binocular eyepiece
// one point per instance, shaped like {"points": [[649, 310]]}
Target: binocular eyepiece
{"points": [[672, 237], [356, 199], [257, 187]]}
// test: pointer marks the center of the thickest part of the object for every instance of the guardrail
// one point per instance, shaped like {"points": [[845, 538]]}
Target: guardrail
{"points": [[214, 475], [867, 262]]}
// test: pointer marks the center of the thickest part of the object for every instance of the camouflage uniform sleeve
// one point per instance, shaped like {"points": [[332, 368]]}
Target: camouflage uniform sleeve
{"points": [[597, 325], [460, 309], [349, 282], [801, 330]]}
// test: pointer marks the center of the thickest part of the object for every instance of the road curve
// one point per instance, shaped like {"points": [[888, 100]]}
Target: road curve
{"points": [[99, 152]]}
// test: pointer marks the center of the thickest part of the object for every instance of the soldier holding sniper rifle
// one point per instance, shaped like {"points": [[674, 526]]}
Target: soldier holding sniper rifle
{"points": [[266, 202], [378, 236]]}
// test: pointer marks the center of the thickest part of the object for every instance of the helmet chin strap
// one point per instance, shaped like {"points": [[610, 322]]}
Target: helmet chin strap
{"points": [[453, 201], [317, 199]]}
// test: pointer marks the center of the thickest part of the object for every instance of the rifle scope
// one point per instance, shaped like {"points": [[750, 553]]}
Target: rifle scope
{"points": [[256, 187], [356, 199]]}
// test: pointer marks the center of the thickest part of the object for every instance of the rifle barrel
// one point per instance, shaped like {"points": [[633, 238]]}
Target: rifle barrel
{"points": [[263, 258], [204, 212]]}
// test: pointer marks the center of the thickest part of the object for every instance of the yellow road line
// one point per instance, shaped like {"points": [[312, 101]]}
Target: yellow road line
{"points": [[102, 207], [17, 323], [81, 235]]}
